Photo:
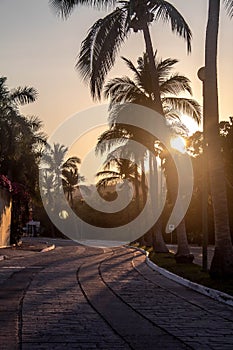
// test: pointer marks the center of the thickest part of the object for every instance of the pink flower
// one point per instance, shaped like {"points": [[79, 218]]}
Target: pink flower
{"points": [[5, 182]]}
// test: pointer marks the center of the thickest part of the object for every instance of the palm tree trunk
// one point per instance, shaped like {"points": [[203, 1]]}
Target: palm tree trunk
{"points": [[183, 253], [71, 200], [222, 263], [155, 80], [158, 241], [147, 238], [159, 245], [143, 182]]}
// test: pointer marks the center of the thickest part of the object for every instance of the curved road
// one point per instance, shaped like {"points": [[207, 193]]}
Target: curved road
{"points": [[78, 297]]}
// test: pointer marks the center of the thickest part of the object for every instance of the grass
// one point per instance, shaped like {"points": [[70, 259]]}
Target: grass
{"points": [[191, 272]]}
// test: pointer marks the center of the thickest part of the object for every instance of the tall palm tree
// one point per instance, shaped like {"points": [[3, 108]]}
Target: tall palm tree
{"points": [[139, 90], [99, 48], [222, 263]]}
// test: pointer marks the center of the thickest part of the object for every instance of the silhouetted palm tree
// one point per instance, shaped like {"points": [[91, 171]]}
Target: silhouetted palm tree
{"points": [[12, 99], [99, 48], [21, 142], [20, 136], [71, 177], [139, 90], [123, 169], [222, 263], [54, 158]]}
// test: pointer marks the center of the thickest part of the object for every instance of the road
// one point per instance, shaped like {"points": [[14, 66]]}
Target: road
{"points": [[77, 297]]}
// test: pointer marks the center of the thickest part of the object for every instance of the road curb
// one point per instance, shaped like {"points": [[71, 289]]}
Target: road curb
{"points": [[47, 249], [212, 293]]}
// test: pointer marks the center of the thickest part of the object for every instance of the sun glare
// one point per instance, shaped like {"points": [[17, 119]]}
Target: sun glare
{"points": [[178, 143], [190, 124]]}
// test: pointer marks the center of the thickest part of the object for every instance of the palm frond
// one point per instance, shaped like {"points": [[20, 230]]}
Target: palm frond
{"points": [[107, 173], [64, 8], [104, 182], [35, 123], [168, 13], [109, 139], [71, 162], [24, 95], [99, 48], [131, 66], [182, 105], [115, 110], [166, 65], [175, 85], [178, 128], [164, 68], [121, 90], [229, 7]]}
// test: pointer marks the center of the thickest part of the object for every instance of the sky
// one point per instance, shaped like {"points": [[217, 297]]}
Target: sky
{"points": [[39, 49]]}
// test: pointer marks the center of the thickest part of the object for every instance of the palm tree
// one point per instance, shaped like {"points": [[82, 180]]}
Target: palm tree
{"points": [[116, 169], [222, 263], [14, 127], [71, 177], [139, 90], [99, 48], [12, 99], [54, 158], [123, 169], [21, 137], [58, 173], [21, 143]]}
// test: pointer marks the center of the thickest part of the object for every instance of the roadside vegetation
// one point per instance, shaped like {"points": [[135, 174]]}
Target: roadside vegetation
{"points": [[191, 272]]}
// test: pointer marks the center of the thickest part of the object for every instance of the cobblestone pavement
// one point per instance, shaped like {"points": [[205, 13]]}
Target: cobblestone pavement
{"points": [[77, 297]]}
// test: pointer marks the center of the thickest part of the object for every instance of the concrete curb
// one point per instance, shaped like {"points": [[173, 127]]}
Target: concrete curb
{"points": [[44, 250], [47, 249], [212, 293]]}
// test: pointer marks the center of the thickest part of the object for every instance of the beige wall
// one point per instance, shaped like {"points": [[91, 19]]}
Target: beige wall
{"points": [[5, 217]]}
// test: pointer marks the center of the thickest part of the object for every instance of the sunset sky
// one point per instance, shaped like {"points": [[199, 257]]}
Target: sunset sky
{"points": [[39, 49]]}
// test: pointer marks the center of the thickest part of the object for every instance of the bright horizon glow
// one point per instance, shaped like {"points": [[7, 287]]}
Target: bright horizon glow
{"points": [[178, 143]]}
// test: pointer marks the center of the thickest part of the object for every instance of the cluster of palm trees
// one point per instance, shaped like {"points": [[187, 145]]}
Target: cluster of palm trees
{"points": [[59, 173], [140, 91], [21, 144], [97, 56]]}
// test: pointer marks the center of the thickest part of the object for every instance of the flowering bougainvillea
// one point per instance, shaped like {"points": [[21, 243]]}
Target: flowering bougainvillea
{"points": [[5, 183], [19, 190], [15, 188]]}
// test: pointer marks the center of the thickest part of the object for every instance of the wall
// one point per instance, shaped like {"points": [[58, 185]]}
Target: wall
{"points": [[5, 217]]}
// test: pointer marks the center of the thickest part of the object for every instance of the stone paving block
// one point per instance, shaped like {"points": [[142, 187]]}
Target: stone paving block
{"points": [[117, 301]]}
